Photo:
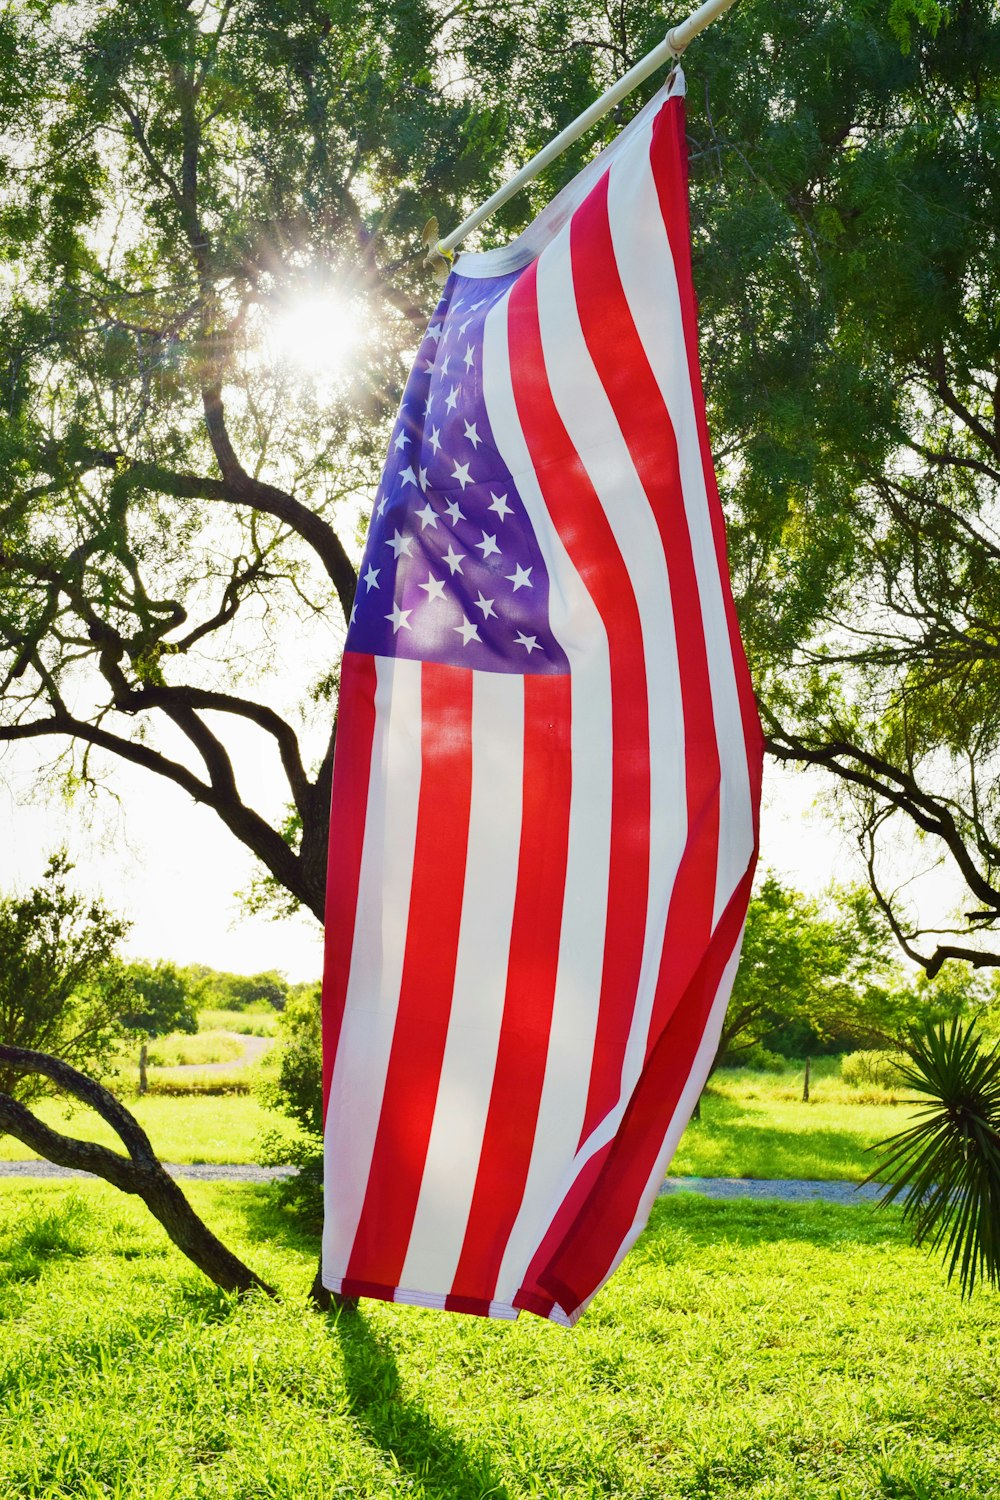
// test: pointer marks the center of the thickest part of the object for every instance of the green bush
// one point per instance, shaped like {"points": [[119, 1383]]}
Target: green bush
{"points": [[871, 1070], [755, 1059], [297, 1091]]}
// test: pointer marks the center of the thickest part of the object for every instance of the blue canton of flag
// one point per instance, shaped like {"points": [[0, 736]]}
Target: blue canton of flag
{"points": [[452, 571]]}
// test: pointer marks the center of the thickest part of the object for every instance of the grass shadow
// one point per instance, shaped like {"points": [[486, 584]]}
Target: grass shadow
{"points": [[46, 1234], [761, 1138], [439, 1461], [753, 1222]]}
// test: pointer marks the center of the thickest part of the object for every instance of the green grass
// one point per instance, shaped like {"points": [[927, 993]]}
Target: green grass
{"points": [[744, 1351], [766, 1135], [181, 1051], [208, 1129]]}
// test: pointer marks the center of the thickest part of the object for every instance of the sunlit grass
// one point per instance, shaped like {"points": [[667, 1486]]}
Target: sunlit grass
{"points": [[222, 1128], [181, 1050], [758, 1133], [743, 1352]]}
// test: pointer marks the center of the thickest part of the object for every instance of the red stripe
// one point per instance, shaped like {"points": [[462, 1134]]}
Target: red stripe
{"points": [[668, 156], [348, 808], [509, 1135], [579, 517], [428, 977], [631, 386]]}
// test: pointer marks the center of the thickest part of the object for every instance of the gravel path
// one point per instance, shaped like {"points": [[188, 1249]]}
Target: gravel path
{"points": [[789, 1191]]}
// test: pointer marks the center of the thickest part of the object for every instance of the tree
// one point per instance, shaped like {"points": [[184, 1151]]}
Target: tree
{"points": [[62, 984], [815, 972], [63, 989], [161, 1002], [178, 505], [161, 1005]]}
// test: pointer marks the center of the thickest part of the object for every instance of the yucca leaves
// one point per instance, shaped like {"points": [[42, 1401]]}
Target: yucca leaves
{"points": [[946, 1167]]}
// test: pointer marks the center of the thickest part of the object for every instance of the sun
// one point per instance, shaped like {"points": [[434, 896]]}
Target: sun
{"points": [[316, 332]]}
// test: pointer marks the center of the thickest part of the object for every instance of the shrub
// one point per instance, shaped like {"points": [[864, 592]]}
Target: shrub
{"points": [[756, 1059], [871, 1070]]}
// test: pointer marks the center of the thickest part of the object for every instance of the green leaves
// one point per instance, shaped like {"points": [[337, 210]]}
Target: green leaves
{"points": [[946, 1168]]}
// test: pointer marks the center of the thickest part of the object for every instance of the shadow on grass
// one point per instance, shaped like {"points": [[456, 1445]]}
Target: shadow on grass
{"points": [[47, 1233], [750, 1222], [445, 1468], [742, 1138], [268, 1219]]}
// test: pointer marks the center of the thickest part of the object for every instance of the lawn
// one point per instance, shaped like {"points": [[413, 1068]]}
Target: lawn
{"points": [[768, 1136], [743, 1350], [213, 1128]]}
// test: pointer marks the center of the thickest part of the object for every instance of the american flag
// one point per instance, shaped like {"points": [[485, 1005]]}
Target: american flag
{"points": [[547, 775]]}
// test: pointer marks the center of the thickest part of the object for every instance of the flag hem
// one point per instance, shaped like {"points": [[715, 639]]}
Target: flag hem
{"points": [[345, 1286]]}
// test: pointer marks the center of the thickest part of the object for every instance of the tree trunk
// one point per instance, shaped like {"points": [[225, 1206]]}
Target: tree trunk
{"points": [[143, 1060], [805, 1085], [141, 1172]]}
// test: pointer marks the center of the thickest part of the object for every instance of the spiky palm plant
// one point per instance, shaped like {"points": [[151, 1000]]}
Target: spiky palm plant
{"points": [[946, 1167]]}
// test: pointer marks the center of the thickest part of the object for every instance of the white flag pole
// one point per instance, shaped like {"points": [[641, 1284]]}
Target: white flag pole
{"points": [[670, 48]]}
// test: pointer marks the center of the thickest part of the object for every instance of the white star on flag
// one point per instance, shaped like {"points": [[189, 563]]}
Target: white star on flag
{"points": [[461, 473], [499, 504], [399, 618], [433, 588], [486, 605], [453, 559], [519, 578], [467, 631], [427, 516], [469, 357], [529, 642], [451, 400], [472, 434], [435, 439], [371, 577], [488, 546], [454, 514], [407, 475], [400, 544], [401, 439]]}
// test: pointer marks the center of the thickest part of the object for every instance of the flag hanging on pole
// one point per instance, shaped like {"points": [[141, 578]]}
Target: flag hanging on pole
{"points": [[547, 775]]}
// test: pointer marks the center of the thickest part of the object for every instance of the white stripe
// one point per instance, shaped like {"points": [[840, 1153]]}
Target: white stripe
{"points": [[577, 626], [469, 1061], [690, 1095], [593, 427], [373, 985], [642, 250]]}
